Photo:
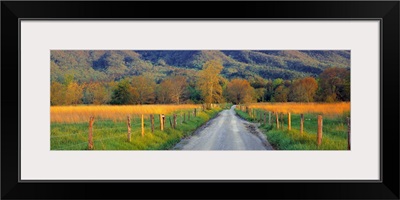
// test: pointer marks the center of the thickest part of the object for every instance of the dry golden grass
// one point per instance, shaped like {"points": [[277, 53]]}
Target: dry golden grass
{"points": [[298, 108], [71, 114]]}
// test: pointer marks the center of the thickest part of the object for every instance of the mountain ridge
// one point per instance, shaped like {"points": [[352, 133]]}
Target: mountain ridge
{"points": [[109, 65]]}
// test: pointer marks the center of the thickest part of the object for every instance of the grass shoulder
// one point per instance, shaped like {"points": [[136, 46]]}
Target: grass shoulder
{"points": [[335, 137]]}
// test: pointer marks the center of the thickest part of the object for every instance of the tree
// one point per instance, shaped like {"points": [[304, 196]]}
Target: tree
{"points": [[269, 91], [334, 85], [143, 89], [194, 94], [57, 93], [260, 94], [74, 93], [96, 93], [208, 82], [162, 93], [303, 90], [177, 88], [239, 91], [277, 82], [68, 79], [258, 82], [122, 93], [281, 94]]}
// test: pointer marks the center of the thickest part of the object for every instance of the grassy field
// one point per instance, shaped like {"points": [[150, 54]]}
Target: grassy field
{"points": [[111, 133], [334, 131], [326, 109], [81, 113]]}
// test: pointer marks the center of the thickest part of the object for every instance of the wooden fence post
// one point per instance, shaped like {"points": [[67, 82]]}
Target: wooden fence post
{"points": [[152, 122], [265, 117], [277, 120], [181, 118], [170, 122], [184, 117], [269, 117], [174, 121], [129, 128], [301, 123], [348, 134], [189, 116], [195, 112], [161, 122], [142, 125], [319, 133], [90, 142], [289, 122]]}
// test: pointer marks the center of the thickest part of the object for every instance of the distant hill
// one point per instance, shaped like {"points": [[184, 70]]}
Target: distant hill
{"points": [[108, 65]]}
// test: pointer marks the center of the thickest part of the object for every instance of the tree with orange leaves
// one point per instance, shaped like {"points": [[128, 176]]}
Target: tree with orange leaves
{"points": [[239, 91], [208, 82], [303, 90], [172, 90]]}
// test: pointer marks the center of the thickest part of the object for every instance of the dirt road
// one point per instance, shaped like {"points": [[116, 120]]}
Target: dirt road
{"points": [[227, 131]]}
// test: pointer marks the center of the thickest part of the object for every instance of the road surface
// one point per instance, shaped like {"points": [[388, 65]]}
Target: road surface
{"points": [[227, 131]]}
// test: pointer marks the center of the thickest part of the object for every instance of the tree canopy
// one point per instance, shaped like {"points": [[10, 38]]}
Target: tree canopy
{"points": [[206, 85]]}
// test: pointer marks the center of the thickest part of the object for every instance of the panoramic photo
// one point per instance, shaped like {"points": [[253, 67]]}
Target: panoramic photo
{"points": [[200, 100]]}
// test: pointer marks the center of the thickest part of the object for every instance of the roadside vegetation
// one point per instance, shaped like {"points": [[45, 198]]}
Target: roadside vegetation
{"points": [[111, 134], [334, 131]]}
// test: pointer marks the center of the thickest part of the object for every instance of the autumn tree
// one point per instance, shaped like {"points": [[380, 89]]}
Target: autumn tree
{"points": [[57, 93], [239, 91], [303, 90], [162, 93], [143, 89], [176, 89], [334, 85], [258, 82], [96, 93], [281, 94], [74, 93], [208, 82]]}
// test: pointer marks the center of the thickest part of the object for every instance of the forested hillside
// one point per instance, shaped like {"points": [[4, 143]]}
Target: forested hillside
{"points": [[89, 66], [163, 77]]}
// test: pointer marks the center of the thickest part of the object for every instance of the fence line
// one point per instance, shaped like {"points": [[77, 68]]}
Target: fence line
{"points": [[279, 119], [131, 121]]}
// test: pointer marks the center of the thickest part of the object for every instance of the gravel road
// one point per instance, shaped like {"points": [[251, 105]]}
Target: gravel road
{"points": [[226, 131]]}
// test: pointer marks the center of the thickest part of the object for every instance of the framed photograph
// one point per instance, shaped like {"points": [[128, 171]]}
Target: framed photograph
{"points": [[294, 98]]}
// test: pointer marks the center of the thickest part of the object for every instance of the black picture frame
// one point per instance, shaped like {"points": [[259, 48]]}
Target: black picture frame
{"points": [[386, 11]]}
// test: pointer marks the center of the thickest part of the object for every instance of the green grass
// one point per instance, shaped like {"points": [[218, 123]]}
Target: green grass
{"points": [[109, 135], [334, 132]]}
